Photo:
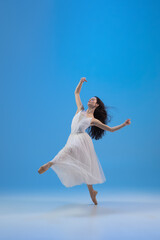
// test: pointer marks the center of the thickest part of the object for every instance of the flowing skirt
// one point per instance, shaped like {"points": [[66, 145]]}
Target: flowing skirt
{"points": [[77, 162]]}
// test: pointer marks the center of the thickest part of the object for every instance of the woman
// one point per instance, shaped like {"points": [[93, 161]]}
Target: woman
{"points": [[77, 162]]}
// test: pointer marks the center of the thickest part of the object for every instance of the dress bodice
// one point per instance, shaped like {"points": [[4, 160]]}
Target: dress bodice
{"points": [[80, 122]]}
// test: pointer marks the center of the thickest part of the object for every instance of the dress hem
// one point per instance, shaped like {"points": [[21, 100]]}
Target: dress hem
{"points": [[80, 183]]}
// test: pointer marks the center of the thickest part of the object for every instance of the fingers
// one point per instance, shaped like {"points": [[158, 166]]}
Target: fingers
{"points": [[83, 79]]}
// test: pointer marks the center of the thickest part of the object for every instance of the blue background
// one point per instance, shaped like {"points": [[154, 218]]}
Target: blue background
{"points": [[45, 48]]}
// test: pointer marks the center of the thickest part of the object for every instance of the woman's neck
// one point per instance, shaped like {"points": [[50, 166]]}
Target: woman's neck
{"points": [[90, 111]]}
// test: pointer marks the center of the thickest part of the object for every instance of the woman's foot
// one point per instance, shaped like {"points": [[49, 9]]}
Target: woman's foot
{"points": [[93, 196], [45, 167]]}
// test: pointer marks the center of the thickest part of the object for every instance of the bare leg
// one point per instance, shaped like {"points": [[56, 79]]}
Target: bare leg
{"points": [[93, 194], [45, 167]]}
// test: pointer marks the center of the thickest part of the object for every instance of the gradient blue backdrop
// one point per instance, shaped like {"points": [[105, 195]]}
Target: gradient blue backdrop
{"points": [[45, 48]]}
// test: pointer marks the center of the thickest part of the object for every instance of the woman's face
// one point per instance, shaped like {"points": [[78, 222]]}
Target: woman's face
{"points": [[92, 101]]}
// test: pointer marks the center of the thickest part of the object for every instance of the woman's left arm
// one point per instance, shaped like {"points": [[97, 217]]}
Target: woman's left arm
{"points": [[127, 122], [97, 123]]}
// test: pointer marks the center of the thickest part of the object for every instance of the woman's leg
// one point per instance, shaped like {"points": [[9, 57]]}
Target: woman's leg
{"points": [[93, 193], [45, 167], [90, 188]]}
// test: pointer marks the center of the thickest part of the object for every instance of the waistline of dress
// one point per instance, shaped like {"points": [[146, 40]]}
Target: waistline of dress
{"points": [[76, 133]]}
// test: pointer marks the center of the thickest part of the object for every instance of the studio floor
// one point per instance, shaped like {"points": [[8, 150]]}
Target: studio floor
{"points": [[118, 216]]}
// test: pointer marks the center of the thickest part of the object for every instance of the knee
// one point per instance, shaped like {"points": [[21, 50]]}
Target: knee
{"points": [[51, 163]]}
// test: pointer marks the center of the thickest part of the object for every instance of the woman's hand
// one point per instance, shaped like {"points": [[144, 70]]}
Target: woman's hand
{"points": [[83, 79], [127, 122], [78, 88]]}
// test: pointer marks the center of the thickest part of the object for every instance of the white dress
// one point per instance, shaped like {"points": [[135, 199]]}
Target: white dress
{"points": [[77, 162]]}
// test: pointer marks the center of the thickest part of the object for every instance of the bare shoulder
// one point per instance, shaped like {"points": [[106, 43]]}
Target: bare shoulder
{"points": [[95, 122], [79, 109], [99, 124]]}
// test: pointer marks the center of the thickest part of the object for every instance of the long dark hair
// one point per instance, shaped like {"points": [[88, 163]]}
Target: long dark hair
{"points": [[100, 113]]}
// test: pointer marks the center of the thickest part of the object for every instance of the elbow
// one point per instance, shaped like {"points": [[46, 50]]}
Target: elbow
{"points": [[108, 129]]}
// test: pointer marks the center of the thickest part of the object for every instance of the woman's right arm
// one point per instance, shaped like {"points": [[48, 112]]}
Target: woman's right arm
{"points": [[77, 96], [78, 88]]}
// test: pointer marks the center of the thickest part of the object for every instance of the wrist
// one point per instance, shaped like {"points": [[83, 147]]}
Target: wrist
{"points": [[124, 124]]}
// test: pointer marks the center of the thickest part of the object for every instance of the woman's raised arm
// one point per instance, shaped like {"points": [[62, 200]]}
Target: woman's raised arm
{"points": [[78, 88], [77, 96]]}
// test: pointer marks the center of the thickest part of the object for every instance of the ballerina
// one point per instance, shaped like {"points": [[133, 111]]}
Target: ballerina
{"points": [[77, 162]]}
